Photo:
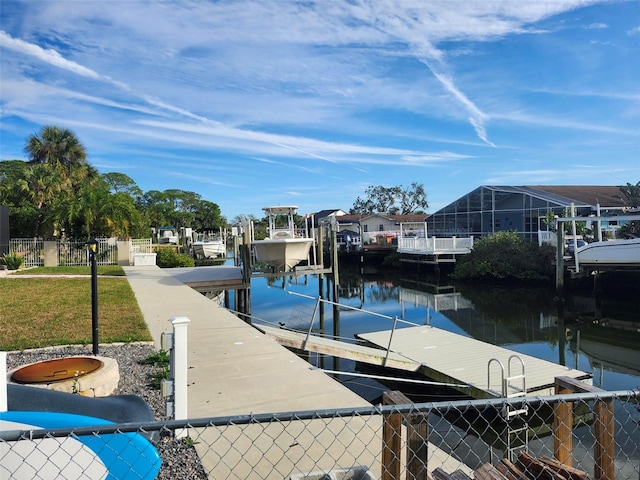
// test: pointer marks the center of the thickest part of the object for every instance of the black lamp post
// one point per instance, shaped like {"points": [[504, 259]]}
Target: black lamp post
{"points": [[93, 250]]}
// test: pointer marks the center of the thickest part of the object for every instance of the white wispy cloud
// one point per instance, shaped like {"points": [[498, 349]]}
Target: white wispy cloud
{"points": [[350, 93], [54, 58]]}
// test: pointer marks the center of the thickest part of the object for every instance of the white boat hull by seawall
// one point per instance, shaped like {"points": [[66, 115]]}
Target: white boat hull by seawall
{"points": [[614, 252], [283, 254]]}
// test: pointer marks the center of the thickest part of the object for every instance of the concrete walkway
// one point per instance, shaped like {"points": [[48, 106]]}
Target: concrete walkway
{"points": [[234, 369]]}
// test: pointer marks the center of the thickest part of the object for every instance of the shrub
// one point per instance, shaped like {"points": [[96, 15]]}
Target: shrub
{"points": [[160, 360], [505, 256], [169, 258], [12, 260]]}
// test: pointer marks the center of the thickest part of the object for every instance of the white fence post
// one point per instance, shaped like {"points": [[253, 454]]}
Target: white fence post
{"points": [[3, 382], [176, 386]]}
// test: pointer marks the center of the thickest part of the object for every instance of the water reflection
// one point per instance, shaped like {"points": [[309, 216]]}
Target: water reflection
{"points": [[598, 334], [527, 320]]}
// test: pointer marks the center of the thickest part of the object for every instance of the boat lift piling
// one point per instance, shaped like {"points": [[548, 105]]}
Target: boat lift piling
{"points": [[243, 256], [576, 267]]}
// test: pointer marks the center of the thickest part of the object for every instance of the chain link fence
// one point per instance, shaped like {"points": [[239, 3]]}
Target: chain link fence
{"points": [[569, 436]]}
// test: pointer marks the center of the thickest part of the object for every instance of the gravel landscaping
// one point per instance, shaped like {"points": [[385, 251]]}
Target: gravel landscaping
{"points": [[179, 461]]}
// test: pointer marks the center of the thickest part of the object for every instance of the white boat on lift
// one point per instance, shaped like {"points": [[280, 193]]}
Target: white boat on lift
{"points": [[209, 244], [612, 252], [168, 235], [284, 247]]}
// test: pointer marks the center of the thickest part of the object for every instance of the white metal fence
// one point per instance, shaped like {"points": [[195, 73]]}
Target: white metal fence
{"points": [[31, 249], [69, 253], [76, 253]]}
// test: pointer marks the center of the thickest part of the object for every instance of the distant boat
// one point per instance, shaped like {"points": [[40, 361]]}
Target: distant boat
{"points": [[284, 247], [168, 235], [612, 252], [209, 244]]}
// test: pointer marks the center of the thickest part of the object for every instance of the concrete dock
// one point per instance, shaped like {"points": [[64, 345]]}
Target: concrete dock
{"points": [[233, 368], [236, 370]]}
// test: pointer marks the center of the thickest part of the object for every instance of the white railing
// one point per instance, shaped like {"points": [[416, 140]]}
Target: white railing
{"points": [[31, 249], [434, 245]]}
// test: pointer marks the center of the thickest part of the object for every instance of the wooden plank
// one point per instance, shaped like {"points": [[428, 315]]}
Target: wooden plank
{"points": [[570, 384], [417, 450], [510, 470], [563, 425], [604, 448], [440, 474], [536, 469], [391, 442], [417, 433], [568, 471], [488, 472]]}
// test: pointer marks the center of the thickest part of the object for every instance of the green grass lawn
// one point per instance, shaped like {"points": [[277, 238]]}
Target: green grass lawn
{"points": [[42, 312], [110, 270]]}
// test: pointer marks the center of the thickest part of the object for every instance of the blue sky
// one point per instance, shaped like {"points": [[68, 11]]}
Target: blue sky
{"points": [[255, 103]]}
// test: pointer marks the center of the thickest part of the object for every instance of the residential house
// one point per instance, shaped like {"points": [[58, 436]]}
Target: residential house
{"points": [[489, 209], [377, 228]]}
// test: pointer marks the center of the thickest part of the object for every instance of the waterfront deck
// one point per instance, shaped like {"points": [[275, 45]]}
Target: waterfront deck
{"points": [[434, 246], [416, 246], [452, 358]]}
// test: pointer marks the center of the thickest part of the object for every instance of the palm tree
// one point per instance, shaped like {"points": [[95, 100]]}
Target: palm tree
{"points": [[41, 185], [59, 170], [632, 192], [58, 147]]}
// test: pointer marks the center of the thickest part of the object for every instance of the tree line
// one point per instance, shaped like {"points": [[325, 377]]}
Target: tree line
{"points": [[58, 193]]}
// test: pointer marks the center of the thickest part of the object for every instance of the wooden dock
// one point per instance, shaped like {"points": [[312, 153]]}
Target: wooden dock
{"points": [[452, 358]]}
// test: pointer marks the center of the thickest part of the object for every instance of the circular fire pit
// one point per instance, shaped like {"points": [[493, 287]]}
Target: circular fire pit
{"points": [[88, 376]]}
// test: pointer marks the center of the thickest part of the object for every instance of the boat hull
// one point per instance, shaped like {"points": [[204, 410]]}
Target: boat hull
{"points": [[209, 249], [282, 254], [614, 252]]}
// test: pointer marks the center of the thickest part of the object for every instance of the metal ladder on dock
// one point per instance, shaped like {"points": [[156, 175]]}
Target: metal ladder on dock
{"points": [[515, 418]]}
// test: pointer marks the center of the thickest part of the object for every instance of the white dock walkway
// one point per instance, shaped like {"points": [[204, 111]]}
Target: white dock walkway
{"points": [[236, 370], [451, 358]]}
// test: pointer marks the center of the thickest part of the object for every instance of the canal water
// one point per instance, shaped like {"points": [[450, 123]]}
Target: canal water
{"points": [[599, 334]]}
